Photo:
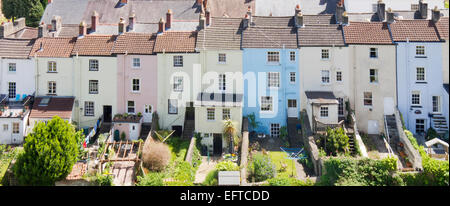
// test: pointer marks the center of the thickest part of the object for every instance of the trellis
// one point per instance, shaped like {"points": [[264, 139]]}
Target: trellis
{"points": [[128, 154]]}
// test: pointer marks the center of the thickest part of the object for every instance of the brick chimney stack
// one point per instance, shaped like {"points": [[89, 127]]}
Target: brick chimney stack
{"points": [[169, 16], [131, 22], [297, 9], [121, 26], [389, 16], [208, 17], [199, 2], [83, 29], [249, 13], [161, 26], [41, 30], [436, 14], [202, 22], [299, 20], [339, 11], [94, 21], [124, 1], [423, 9], [381, 10]]}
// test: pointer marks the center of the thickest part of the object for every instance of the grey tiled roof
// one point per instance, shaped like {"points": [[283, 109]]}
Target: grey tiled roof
{"points": [[147, 11], [287, 7], [15, 48], [264, 37], [223, 33], [320, 35]]}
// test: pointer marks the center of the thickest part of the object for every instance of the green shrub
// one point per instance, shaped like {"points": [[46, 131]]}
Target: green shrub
{"points": [[104, 180], [227, 166], [336, 141], [183, 174], [211, 178], [49, 153], [283, 180], [151, 179], [431, 133], [262, 168]]}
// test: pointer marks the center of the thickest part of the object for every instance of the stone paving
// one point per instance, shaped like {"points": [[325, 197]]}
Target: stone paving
{"points": [[205, 167]]}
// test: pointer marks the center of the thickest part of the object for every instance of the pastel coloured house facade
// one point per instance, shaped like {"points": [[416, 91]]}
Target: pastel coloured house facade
{"points": [[373, 64], [271, 70], [221, 91], [95, 78], [177, 64], [325, 75], [419, 74]]}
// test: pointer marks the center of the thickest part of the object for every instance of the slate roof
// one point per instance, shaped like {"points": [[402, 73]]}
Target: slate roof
{"points": [[223, 33], [287, 7], [134, 43], [25, 33], [173, 41], [367, 33], [321, 97], [442, 27], [59, 106], [230, 8], [15, 48], [272, 21], [265, 37], [320, 35], [414, 31], [94, 45], [53, 47], [110, 11]]}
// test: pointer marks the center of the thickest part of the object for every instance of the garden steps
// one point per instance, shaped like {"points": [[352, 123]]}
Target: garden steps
{"points": [[439, 124], [145, 130], [188, 130], [295, 139]]}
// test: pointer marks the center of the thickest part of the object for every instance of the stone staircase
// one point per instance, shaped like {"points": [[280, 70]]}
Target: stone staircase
{"points": [[351, 143], [392, 128], [439, 123], [145, 130], [188, 129]]}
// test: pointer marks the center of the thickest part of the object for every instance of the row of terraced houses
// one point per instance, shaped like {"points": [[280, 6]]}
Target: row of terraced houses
{"points": [[197, 63]]}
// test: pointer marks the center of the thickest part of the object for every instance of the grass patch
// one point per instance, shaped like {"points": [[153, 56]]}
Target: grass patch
{"points": [[178, 148], [280, 159], [6, 156]]}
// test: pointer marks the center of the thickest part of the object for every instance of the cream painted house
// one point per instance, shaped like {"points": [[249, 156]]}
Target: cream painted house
{"points": [[95, 79], [325, 75]]}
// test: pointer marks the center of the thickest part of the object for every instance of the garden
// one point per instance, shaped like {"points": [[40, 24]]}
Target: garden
{"points": [[164, 161], [7, 154]]}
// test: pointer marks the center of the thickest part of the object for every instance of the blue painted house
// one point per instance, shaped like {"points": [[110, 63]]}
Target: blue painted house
{"points": [[270, 69], [419, 75]]}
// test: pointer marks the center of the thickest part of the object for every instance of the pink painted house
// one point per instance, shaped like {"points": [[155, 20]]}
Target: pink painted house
{"points": [[137, 79]]}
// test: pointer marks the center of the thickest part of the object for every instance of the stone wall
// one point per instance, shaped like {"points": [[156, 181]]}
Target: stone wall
{"points": [[309, 144], [413, 154]]}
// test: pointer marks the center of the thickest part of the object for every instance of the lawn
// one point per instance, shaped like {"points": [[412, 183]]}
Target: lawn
{"points": [[279, 158], [178, 148], [6, 156]]}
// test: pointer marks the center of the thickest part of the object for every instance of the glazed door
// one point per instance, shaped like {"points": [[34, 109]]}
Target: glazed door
{"points": [[292, 108], [148, 112]]}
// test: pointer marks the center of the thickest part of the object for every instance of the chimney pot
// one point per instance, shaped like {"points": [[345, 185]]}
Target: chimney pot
{"points": [[339, 11], [161, 26], [169, 19], [297, 9], [123, 1]]}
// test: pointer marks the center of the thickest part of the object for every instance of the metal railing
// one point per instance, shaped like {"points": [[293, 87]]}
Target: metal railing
{"points": [[321, 127], [386, 128]]}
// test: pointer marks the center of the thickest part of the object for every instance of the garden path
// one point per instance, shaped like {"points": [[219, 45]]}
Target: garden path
{"points": [[205, 167]]}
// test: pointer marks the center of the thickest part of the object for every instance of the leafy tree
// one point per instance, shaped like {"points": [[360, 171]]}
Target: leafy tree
{"points": [[336, 141], [49, 153], [32, 10], [229, 130]]}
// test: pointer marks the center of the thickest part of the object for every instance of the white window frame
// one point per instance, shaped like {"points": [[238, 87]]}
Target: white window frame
{"points": [[338, 76], [375, 51], [52, 67], [178, 84], [12, 67], [15, 127], [93, 86], [12, 90], [266, 102], [292, 56], [138, 85], [436, 103], [172, 107], [222, 58], [51, 87], [178, 61], [273, 79], [422, 124], [275, 129], [136, 62], [210, 114], [367, 99], [421, 74], [226, 113], [89, 108], [325, 76], [341, 110], [222, 82], [373, 78], [420, 50], [273, 57], [415, 98], [324, 112], [93, 65], [292, 77], [325, 54], [131, 107]]}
